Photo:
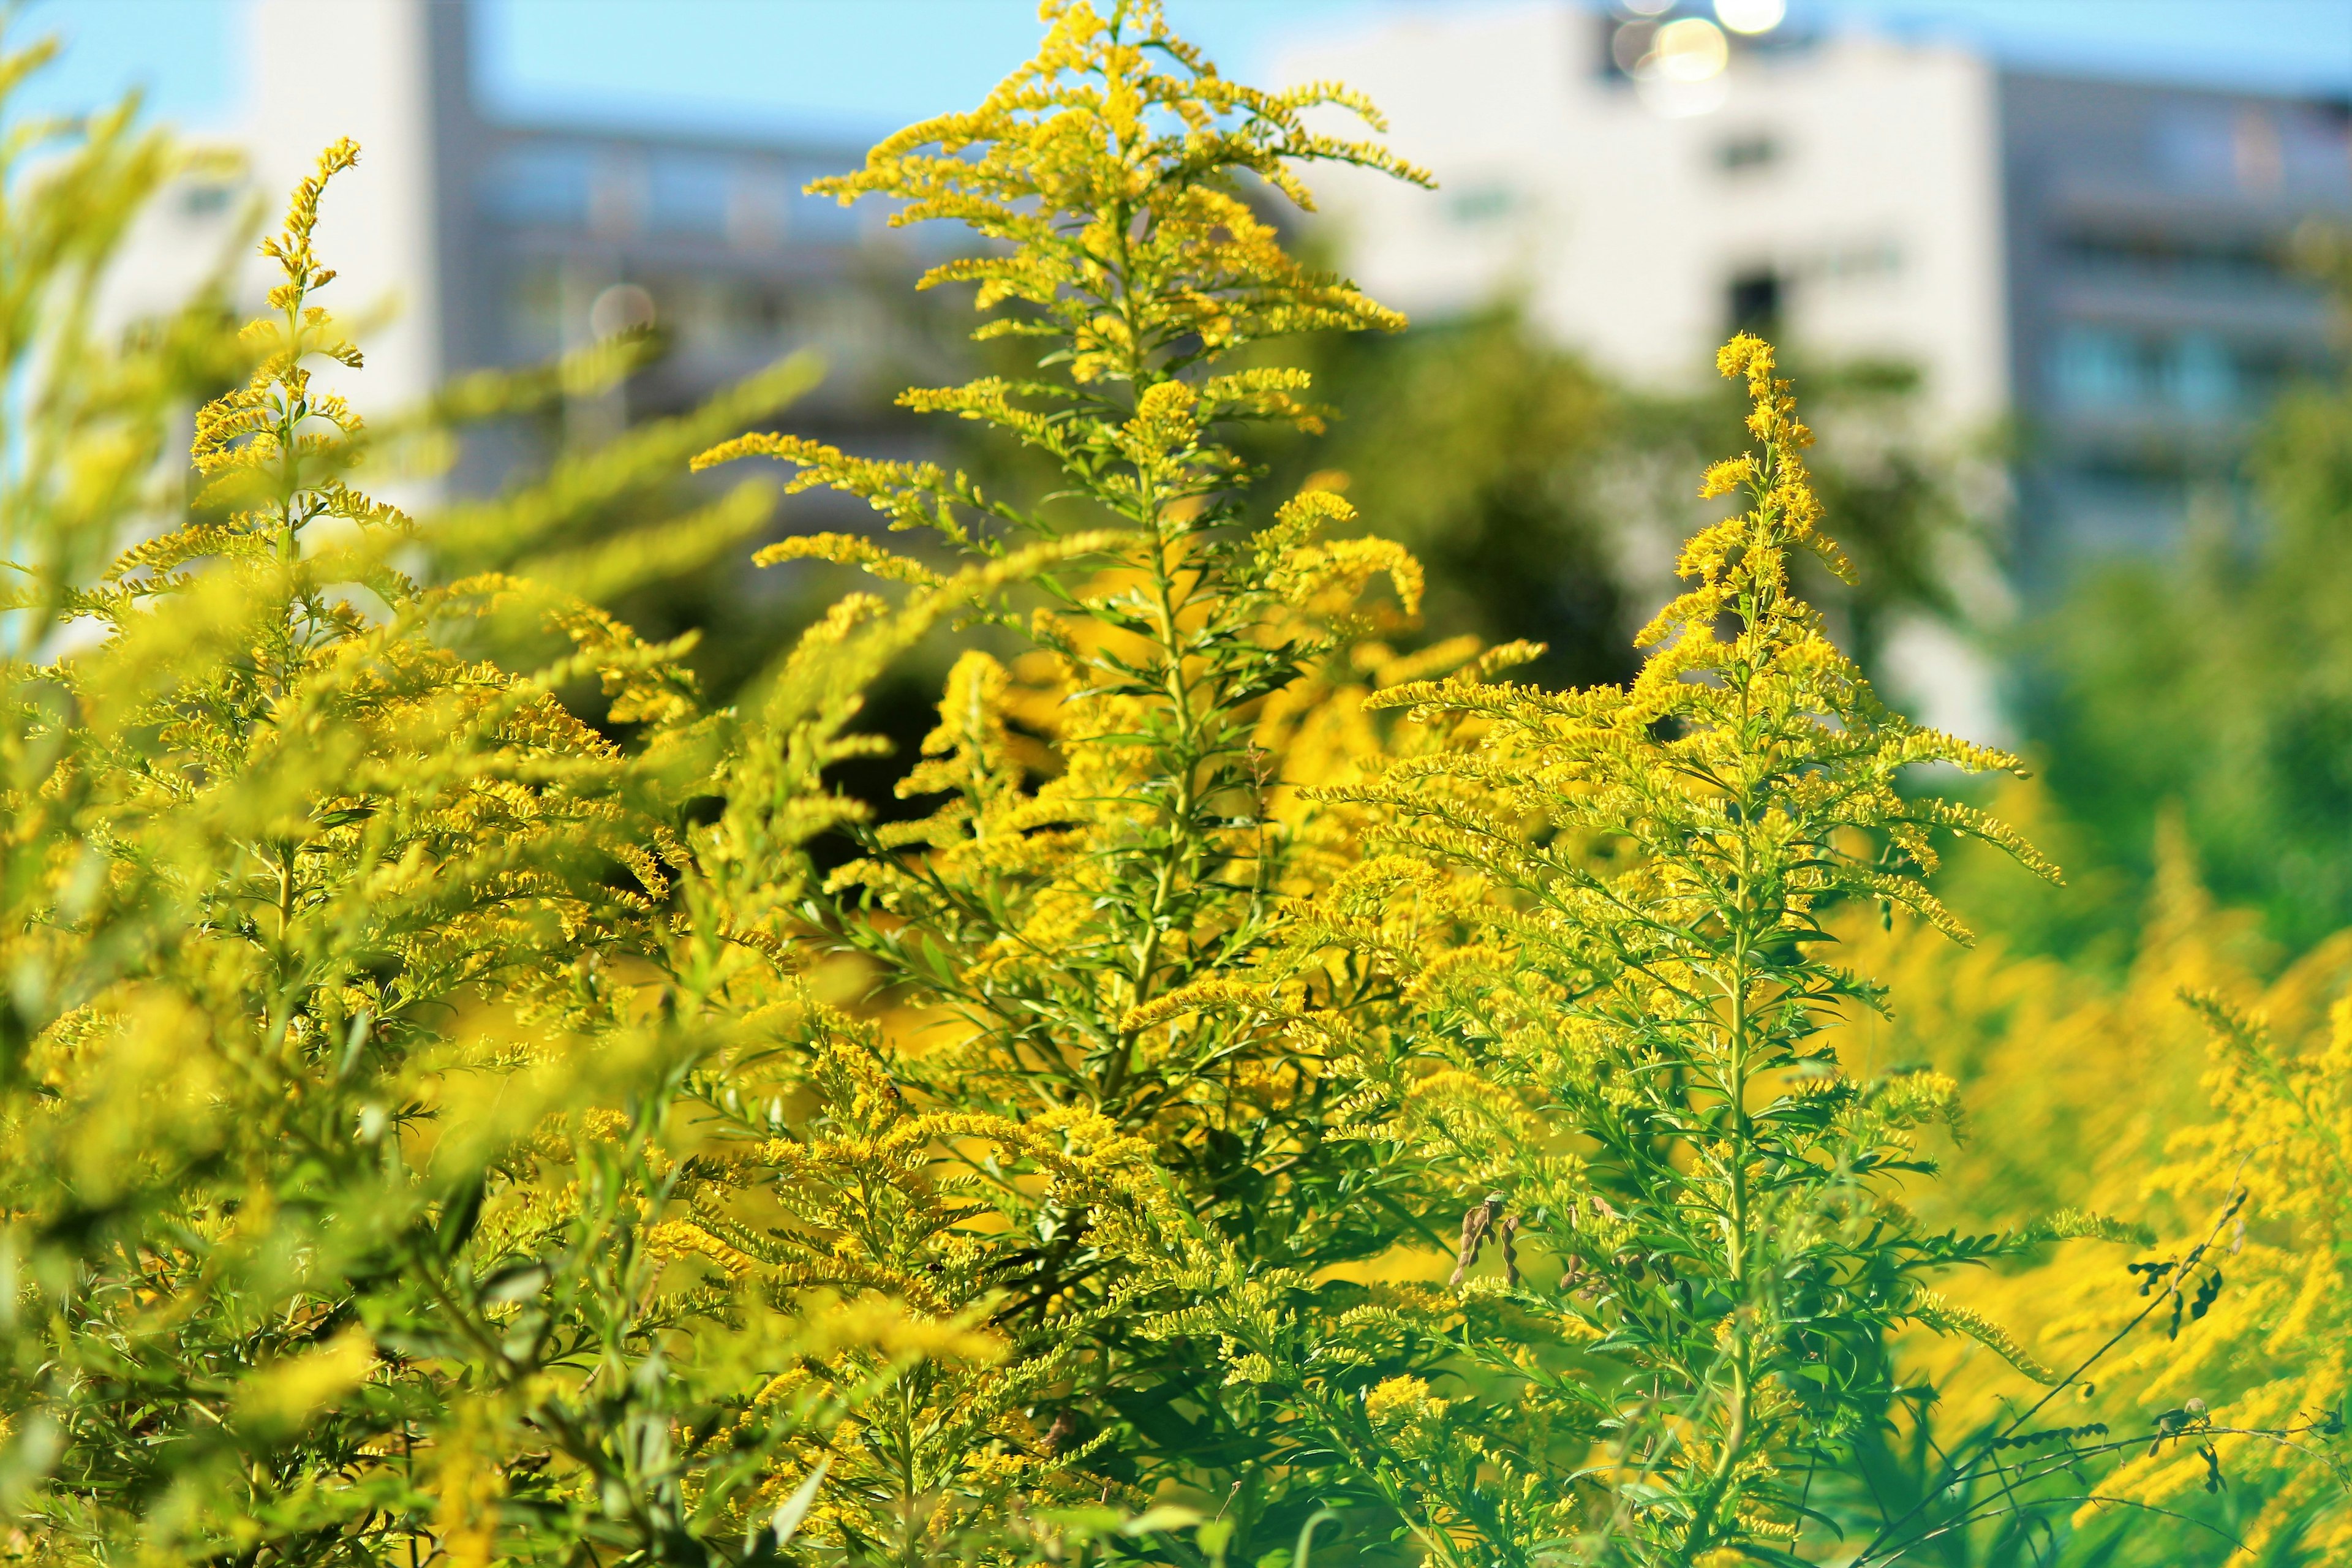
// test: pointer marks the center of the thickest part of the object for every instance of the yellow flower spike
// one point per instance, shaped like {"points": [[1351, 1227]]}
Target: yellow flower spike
{"points": [[1726, 476], [1627, 937]]}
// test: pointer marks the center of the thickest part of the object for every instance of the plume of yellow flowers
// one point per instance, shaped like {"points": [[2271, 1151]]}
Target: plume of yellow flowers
{"points": [[1597, 917], [1118, 777]]}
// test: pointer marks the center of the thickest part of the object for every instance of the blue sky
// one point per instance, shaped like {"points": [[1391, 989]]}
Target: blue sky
{"points": [[857, 67]]}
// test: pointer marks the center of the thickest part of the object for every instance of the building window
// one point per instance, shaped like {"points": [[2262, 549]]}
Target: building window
{"points": [[201, 200], [2200, 376], [534, 311], [757, 216], [689, 196], [2106, 370], [1757, 301], [1625, 44], [1748, 154], [539, 187], [2093, 368], [1476, 207], [723, 318], [2218, 262]]}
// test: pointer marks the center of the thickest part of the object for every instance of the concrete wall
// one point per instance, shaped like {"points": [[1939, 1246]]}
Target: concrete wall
{"points": [[366, 69], [1862, 177]]}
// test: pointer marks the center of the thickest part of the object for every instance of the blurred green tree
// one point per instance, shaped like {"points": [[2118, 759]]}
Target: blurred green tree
{"points": [[1545, 500]]}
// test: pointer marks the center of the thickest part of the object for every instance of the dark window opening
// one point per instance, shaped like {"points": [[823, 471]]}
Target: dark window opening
{"points": [[1622, 44], [1756, 303], [2218, 262], [206, 199]]}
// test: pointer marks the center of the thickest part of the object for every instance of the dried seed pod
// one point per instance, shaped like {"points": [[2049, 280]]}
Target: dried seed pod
{"points": [[1476, 1223]]}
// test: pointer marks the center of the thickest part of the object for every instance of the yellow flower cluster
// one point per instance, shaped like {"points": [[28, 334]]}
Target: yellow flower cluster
{"points": [[1592, 919]]}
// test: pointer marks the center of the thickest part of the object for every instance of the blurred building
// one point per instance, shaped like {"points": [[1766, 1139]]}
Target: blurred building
{"points": [[464, 241], [2101, 266]]}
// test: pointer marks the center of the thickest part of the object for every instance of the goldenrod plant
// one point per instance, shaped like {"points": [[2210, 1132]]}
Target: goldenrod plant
{"points": [[1681, 1240], [273, 839], [1131, 846], [1293, 1092], [2247, 1384], [82, 442], [1116, 773], [2203, 1423], [352, 1029]]}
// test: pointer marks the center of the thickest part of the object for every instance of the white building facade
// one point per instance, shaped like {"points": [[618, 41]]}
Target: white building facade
{"points": [[2103, 268], [1852, 190]]}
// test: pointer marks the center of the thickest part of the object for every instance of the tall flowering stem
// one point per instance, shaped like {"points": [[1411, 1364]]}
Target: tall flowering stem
{"points": [[1602, 911]]}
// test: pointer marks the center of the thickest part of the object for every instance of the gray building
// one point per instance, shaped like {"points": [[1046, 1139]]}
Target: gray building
{"points": [[2156, 308], [2099, 269], [2096, 271], [566, 234], [465, 240]]}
